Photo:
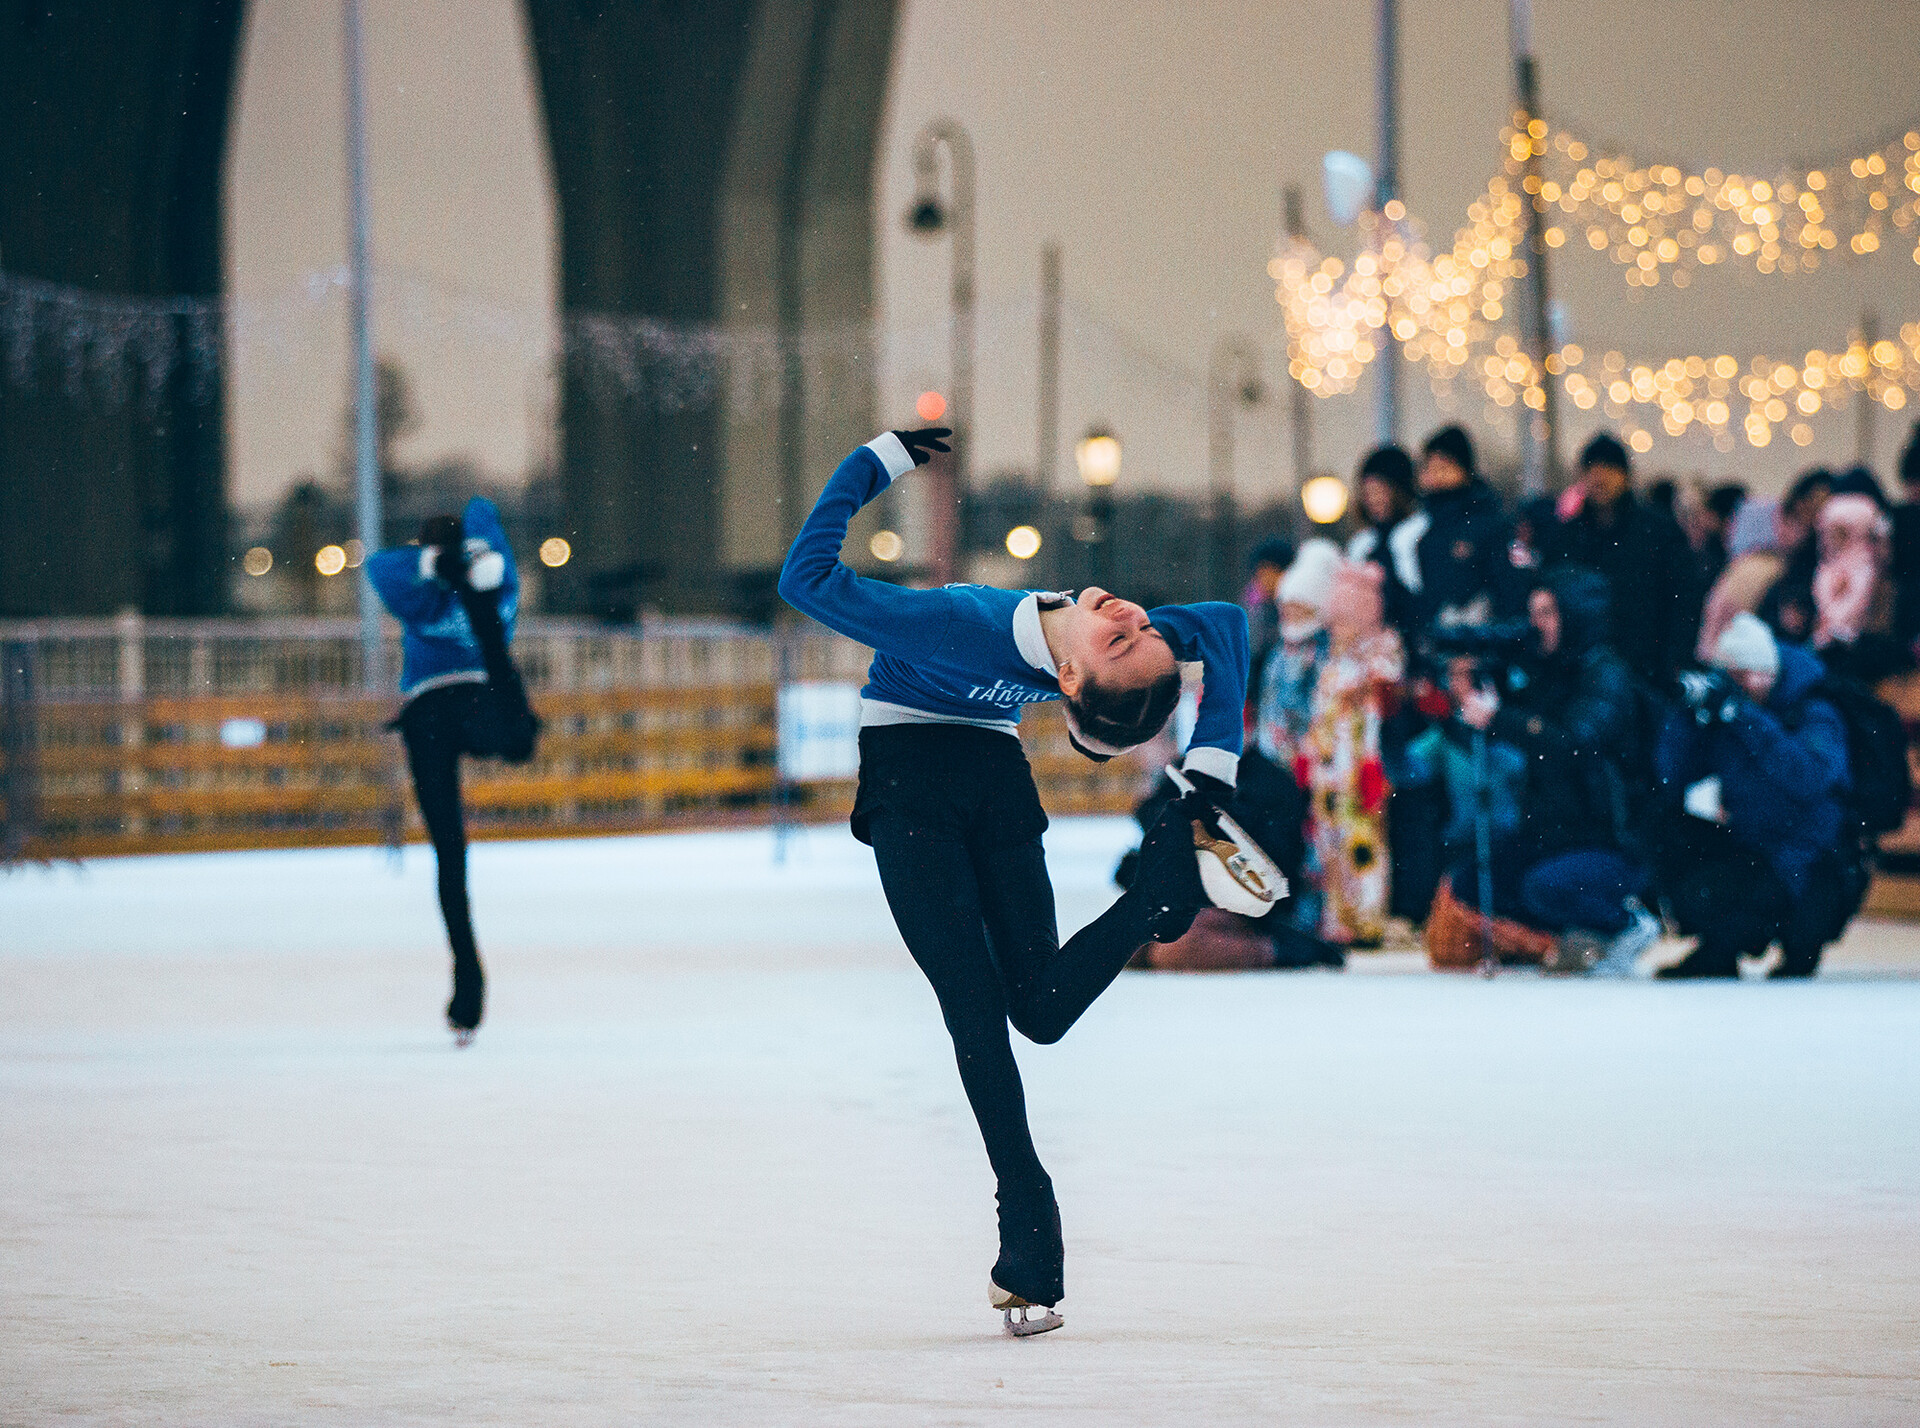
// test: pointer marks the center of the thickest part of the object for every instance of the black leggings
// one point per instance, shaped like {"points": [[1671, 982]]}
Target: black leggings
{"points": [[441, 725], [433, 727], [950, 811]]}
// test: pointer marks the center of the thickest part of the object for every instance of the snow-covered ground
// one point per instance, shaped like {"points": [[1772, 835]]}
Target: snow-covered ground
{"points": [[709, 1162]]}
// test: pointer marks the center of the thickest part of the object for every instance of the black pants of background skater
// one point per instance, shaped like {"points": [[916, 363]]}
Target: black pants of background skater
{"points": [[955, 823], [438, 727], [433, 726]]}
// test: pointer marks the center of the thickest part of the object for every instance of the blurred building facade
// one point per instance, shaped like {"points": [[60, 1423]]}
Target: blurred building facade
{"points": [[713, 168]]}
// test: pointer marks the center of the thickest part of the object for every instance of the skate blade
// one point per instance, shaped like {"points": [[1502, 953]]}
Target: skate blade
{"points": [[463, 1036], [1235, 871], [1025, 1328]]}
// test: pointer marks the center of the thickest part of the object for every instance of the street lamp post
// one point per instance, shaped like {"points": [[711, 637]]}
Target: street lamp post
{"points": [[1233, 377], [1299, 412], [929, 218], [1097, 454], [1386, 190], [366, 465], [1539, 437]]}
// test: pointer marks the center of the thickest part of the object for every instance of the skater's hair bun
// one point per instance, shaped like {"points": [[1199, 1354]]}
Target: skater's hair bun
{"points": [[442, 531], [1105, 722]]}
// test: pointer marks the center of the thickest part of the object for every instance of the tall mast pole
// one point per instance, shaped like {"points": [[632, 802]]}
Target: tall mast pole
{"points": [[1539, 436], [366, 459], [1386, 189]]}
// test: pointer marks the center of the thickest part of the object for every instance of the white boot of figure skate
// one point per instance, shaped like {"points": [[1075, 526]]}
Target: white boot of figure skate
{"points": [[1235, 871], [1007, 1301]]}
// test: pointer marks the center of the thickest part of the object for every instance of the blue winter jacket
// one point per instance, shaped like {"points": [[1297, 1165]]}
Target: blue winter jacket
{"points": [[436, 643], [973, 652], [1782, 768]]}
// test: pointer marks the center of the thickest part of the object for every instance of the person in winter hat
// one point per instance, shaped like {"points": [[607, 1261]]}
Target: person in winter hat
{"points": [[1389, 498], [1340, 760], [1767, 539], [1655, 595], [1760, 852], [1567, 706], [1841, 598], [1284, 710], [1464, 576]]}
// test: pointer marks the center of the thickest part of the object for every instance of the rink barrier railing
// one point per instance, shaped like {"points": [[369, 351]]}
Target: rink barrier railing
{"points": [[111, 736]]}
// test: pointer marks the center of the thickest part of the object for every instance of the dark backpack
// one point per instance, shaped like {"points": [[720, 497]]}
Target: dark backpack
{"points": [[1876, 755]]}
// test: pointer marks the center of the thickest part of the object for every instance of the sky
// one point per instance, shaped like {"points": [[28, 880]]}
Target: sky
{"points": [[1150, 140]]}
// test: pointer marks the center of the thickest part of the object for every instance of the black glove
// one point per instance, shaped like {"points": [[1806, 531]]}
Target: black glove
{"points": [[450, 563], [1712, 696], [923, 443], [1210, 798]]}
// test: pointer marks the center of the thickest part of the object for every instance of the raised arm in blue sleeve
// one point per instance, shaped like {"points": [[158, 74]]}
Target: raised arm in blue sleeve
{"points": [[1215, 633], [481, 521], [889, 618], [415, 600]]}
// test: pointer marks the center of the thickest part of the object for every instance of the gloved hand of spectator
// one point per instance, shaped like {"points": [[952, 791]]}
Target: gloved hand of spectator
{"points": [[1712, 696], [922, 444]]}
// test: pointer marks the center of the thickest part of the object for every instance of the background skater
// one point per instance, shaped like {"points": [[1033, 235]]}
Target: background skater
{"points": [[947, 802], [456, 594]]}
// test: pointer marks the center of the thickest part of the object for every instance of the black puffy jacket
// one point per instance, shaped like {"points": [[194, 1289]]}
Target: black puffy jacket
{"points": [[1463, 556], [1573, 713], [1652, 576]]}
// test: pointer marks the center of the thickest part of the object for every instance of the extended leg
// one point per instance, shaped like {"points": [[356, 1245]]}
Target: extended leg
{"points": [[1049, 986], [433, 758]]}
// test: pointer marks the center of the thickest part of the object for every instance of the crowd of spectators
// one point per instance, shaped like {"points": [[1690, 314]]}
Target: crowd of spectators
{"points": [[1551, 733]]}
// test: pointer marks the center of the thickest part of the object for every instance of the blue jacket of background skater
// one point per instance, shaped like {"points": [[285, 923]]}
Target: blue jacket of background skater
{"points": [[1782, 768], [436, 642], [970, 652]]}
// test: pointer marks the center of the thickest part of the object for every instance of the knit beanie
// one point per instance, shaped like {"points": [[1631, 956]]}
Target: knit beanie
{"points": [[1859, 481], [1748, 645], [1453, 443], [1309, 580], [1605, 450], [1392, 465]]}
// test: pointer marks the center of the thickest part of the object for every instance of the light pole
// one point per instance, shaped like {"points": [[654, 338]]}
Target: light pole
{"points": [[1300, 411], [1233, 377], [929, 217], [1539, 437], [1386, 172], [366, 464], [1097, 454]]}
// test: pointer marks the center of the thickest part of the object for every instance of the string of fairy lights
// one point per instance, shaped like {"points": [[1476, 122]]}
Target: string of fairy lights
{"points": [[1658, 222]]}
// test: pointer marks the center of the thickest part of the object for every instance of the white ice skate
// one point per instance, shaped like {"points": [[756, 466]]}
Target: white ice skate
{"points": [[1235, 871], [1023, 1327]]}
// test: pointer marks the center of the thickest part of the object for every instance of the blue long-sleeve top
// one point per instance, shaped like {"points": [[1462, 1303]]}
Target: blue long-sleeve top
{"points": [[437, 644], [974, 654]]}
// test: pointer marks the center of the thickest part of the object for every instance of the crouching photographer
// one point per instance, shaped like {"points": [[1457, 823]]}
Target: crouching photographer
{"points": [[1555, 694], [1761, 849]]}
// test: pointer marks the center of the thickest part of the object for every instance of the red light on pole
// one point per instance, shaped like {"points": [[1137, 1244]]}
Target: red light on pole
{"points": [[930, 406]]}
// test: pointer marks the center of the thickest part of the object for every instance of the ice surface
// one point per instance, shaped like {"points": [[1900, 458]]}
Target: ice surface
{"points": [[709, 1162]]}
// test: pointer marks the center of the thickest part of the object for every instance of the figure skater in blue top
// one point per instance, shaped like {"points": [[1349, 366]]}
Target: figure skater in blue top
{"points": [[947, 802], [456, 594]]}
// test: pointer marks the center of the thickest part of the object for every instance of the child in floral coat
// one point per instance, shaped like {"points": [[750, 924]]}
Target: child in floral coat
{"points": [[1339, 760]]}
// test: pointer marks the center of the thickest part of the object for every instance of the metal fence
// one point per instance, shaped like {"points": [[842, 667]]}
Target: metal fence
{"points": [[144, 736]]}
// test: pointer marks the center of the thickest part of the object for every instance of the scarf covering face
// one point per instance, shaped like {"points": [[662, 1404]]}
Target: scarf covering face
{"points": [[1855, 550]]}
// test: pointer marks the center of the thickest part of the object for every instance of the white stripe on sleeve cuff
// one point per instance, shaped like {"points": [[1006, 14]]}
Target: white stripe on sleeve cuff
{"points": [[1222, 764], [892, 453]]}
